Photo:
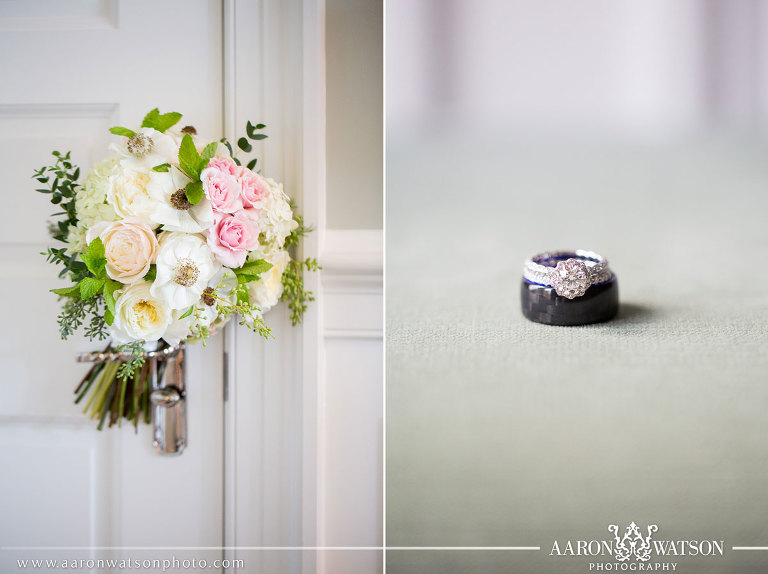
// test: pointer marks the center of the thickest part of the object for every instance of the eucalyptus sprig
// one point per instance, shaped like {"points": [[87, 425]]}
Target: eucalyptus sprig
{"points": [[254, 134], [74, 313], [60, 182]]}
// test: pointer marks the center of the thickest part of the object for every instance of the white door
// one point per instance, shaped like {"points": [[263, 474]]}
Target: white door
{"points": [[70, 70]]}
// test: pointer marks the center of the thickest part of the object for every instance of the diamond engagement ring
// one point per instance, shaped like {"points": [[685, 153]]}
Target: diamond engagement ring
{"points": [[571, 273]]}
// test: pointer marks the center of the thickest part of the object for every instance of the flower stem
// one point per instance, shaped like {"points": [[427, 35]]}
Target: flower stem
{"points": [[110, 397], [93, 374], [121, 402], [105, 384], [98, 390]]}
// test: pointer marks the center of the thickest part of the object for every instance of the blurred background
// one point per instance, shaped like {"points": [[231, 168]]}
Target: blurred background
{"points": [[635, 129], [640, 67]]}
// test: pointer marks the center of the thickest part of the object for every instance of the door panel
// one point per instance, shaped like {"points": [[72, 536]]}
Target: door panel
{"points": [[68, 75]]}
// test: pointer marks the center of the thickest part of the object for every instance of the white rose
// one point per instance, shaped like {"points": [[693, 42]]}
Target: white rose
{"points": [[266, 292], [185, 264], [138, 315], [130, 246], [135, 191]]}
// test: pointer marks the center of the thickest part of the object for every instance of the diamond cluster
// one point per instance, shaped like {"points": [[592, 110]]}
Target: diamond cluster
{"points": [[571, 278], [574, 273]]}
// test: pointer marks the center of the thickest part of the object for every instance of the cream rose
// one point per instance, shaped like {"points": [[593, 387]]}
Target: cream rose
{"points": [[130, 246], [139, 316], [135, 191]]}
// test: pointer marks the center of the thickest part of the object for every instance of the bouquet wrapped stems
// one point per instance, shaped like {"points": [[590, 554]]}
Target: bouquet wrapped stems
{"points": [[119, 384]]}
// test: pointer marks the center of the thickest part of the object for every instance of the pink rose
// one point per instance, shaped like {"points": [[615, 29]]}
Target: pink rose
{"points": [[231, 237], [224, 164], [253, 188], [222, 190]]}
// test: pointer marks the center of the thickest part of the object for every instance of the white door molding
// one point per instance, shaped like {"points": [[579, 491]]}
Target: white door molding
{"points": [[287, 459], [273, 73]]}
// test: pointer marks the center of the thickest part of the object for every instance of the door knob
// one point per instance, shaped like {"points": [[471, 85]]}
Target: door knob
{"points": [[165, 397]]}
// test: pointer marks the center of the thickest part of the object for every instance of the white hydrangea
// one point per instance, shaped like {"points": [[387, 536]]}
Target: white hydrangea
{"points": [[91, 204], [275, 220], [265, 293]]}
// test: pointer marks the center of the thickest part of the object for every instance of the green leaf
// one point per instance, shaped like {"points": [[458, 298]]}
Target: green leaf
{"points": [[253, 267], [166, 121], [188, 312], [151, 274], [160, 122], [95, 248], [163, 167], [110, 287], [90, 286], [208, 152], [189, 159], [250, 129], [252, 163], [244, 145], [109, 317], [94, 258], [258, 137], [71, 291], [229, 146], [194, 192], [245, 278], [119, 131], [150, 119]]}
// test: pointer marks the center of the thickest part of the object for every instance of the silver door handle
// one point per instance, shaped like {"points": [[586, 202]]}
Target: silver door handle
{"points": [[168, 398]]}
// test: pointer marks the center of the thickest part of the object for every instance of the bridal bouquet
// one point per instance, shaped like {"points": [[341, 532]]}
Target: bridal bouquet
{"points": [[165, 241]]}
